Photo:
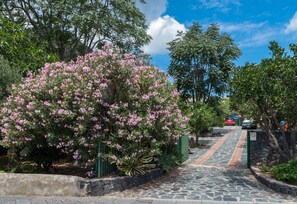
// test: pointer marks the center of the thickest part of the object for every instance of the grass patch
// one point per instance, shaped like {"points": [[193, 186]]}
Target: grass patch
{"points": [[265, 168]]}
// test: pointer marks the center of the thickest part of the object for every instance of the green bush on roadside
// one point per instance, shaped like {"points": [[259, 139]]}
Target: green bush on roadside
{"points": [[286, 172], [170, 159]]}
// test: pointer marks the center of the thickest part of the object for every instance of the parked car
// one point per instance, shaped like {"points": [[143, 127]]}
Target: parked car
{"points": [[229, 121], [248, 124]]}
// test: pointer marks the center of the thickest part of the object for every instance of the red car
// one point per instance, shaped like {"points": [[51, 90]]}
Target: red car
{"points": [[229, 121]]}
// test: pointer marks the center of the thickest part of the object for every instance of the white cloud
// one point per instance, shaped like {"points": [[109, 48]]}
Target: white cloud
{"points": [[223, 5], [152, 9], [292, 26], [240, 27], [162, 30], [262, 37], [251, 34]]}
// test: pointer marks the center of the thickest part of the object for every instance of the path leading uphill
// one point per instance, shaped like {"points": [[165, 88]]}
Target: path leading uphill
{"points": [[216, 173]]}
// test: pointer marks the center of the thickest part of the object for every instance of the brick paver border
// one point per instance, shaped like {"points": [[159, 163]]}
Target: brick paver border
{"points": [[213, 149], [236, 156]]}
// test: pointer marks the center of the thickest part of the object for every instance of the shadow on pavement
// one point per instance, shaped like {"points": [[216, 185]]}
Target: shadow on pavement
{"points": [[222, 130]]}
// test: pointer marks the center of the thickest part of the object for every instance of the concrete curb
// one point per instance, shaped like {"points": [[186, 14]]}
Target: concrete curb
{"points": [[113, 200], [72, 186], [275, 185]]}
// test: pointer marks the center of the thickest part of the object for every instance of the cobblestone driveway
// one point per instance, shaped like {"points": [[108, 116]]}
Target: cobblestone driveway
{"points": [[213, 174]]}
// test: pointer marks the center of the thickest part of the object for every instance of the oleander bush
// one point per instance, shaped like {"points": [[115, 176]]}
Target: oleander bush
{"points": [[67, 109]]}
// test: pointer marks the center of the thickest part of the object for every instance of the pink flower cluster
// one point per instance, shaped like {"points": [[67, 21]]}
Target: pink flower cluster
{"points": [[101, 97]]}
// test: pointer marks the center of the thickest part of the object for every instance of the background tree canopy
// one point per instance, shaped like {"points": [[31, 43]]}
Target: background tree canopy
{"points": [[269, 90], [75, 27], [201, 62], [20, 47], [8, 75]]}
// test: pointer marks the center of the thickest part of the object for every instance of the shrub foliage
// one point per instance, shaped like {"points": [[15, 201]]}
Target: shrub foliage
{"points": [[103, 97], [286, 172]]}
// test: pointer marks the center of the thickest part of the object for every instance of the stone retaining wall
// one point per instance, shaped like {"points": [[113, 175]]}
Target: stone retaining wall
{"points": [[60, 185], [105, 186], [260, 152], [275, 185], [259, 149]]}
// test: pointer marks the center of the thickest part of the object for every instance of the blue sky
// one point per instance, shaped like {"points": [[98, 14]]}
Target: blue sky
{"points": [[251, 24]]}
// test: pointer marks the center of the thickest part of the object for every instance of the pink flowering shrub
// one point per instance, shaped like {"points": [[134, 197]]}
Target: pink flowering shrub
{"points": [[104, 97]]}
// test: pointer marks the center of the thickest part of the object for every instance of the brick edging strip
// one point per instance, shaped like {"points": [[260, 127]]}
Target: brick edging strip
{"points": [[275, 185], [236, 156], [213, 149]]}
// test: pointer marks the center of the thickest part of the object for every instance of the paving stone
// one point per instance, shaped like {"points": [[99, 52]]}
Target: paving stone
{"points": [[164, 202], [40, 201], [188, 202], [166, 197], [241, 202], [179, 197], [7, 201], [229, 199], [24, 201], [55, 202], [214, 202], [218, 198], [92, 202], [142, 202], [213, 182]]}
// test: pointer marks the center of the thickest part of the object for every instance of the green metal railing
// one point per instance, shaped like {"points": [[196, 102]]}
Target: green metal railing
{"points": [[103, 167], [248, 147], [183, 146]]}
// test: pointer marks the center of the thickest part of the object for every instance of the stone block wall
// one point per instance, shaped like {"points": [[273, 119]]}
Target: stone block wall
{"points": [[260, 151], [105, 186]]}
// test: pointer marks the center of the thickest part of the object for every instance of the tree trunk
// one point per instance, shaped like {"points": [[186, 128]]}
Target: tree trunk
{"points": [[293, 142], [275, 146], [284, 139], [197, 139], [272, 142], [286, 146]]}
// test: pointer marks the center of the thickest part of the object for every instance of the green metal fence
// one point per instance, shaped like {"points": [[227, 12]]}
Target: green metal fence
{"points": [[103, 167], [248, 147], [236, 120], [183, 146]]}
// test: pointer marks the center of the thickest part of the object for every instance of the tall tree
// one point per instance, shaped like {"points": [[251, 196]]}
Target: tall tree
{"points": [[19, 47], [75, 27], [8, 75], [201, 62], [270, 90]]}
